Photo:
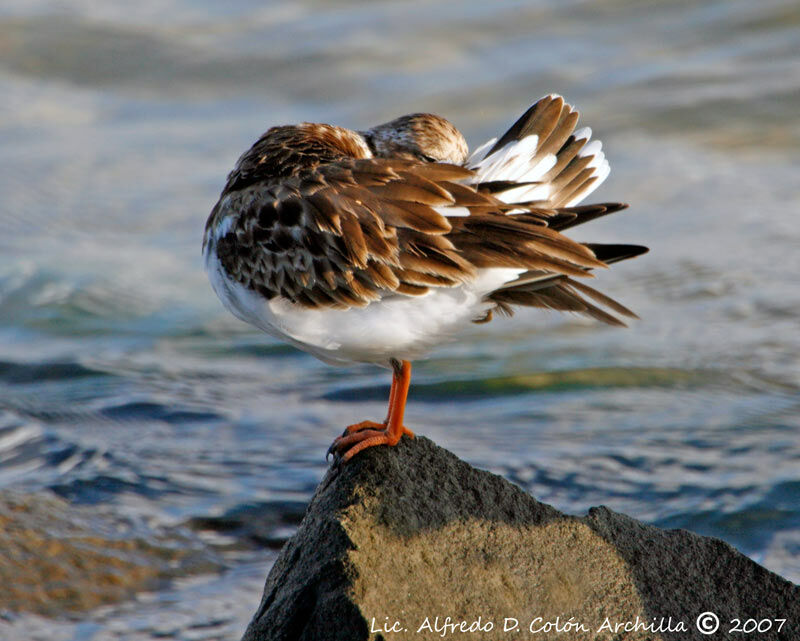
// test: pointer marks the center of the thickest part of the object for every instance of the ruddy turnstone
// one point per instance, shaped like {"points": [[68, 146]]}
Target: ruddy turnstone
{"points": [[375, 246]]}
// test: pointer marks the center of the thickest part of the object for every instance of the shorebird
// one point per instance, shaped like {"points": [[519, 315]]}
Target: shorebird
{"points": [[375, 246]]}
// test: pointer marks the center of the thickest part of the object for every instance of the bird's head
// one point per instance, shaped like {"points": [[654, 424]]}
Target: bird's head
{"points": [[423, 137]]}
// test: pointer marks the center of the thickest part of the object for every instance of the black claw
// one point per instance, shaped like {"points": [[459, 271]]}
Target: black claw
{"points": [[332, 450]]}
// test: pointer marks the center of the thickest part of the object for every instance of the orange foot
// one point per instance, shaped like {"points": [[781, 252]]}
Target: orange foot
{"points": [[365, 434]]}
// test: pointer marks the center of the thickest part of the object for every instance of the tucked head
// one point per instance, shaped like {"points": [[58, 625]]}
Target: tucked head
{"points": [[423, 137]]}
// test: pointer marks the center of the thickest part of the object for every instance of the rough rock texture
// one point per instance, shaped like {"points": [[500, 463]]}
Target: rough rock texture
{"points": [[401, 536]]}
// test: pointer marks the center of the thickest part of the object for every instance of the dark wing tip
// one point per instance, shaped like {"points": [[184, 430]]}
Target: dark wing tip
{"points": [[613, 253]]}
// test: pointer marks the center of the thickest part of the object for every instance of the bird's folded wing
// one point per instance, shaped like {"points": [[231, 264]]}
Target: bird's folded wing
{"points": [[349, 232], [556, 164]]}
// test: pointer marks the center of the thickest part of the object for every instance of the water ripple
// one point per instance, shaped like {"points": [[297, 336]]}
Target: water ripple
{"points": [[125, 385]]}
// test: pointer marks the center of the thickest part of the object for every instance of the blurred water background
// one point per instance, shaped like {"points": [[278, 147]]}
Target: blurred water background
{"points": [[127, 390]]}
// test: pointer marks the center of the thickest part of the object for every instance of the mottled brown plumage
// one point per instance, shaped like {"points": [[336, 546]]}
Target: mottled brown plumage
{"points": [[327, 217], [376, 246]]}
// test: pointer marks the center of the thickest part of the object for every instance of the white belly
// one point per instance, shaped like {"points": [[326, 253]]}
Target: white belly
{"points": [[400, 327]]}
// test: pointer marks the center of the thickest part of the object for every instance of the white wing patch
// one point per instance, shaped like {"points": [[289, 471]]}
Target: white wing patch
{"points": [[510, 162], [447, 210], [480, 153], [598, 163], [525, 161]]}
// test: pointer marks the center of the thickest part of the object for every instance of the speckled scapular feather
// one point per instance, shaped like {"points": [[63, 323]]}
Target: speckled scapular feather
{"points": [[381, 244]]}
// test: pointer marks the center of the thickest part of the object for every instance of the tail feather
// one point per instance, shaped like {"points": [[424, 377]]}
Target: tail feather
{"points": [[614, 253], [565, 296], [567, 217], [545, 289]]}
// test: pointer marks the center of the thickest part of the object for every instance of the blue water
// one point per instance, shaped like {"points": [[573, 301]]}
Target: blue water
{"points": [[125, 384]]}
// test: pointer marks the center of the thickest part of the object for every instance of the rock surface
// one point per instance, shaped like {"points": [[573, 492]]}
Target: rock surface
{"points": [[401, 536]]}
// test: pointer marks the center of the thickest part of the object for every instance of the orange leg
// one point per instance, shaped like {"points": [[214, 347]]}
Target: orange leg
{"points": [[367, 433], [363, 425]]}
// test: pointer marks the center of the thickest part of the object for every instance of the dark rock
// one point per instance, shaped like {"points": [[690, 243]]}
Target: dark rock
{"points": [[412, 533]]}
